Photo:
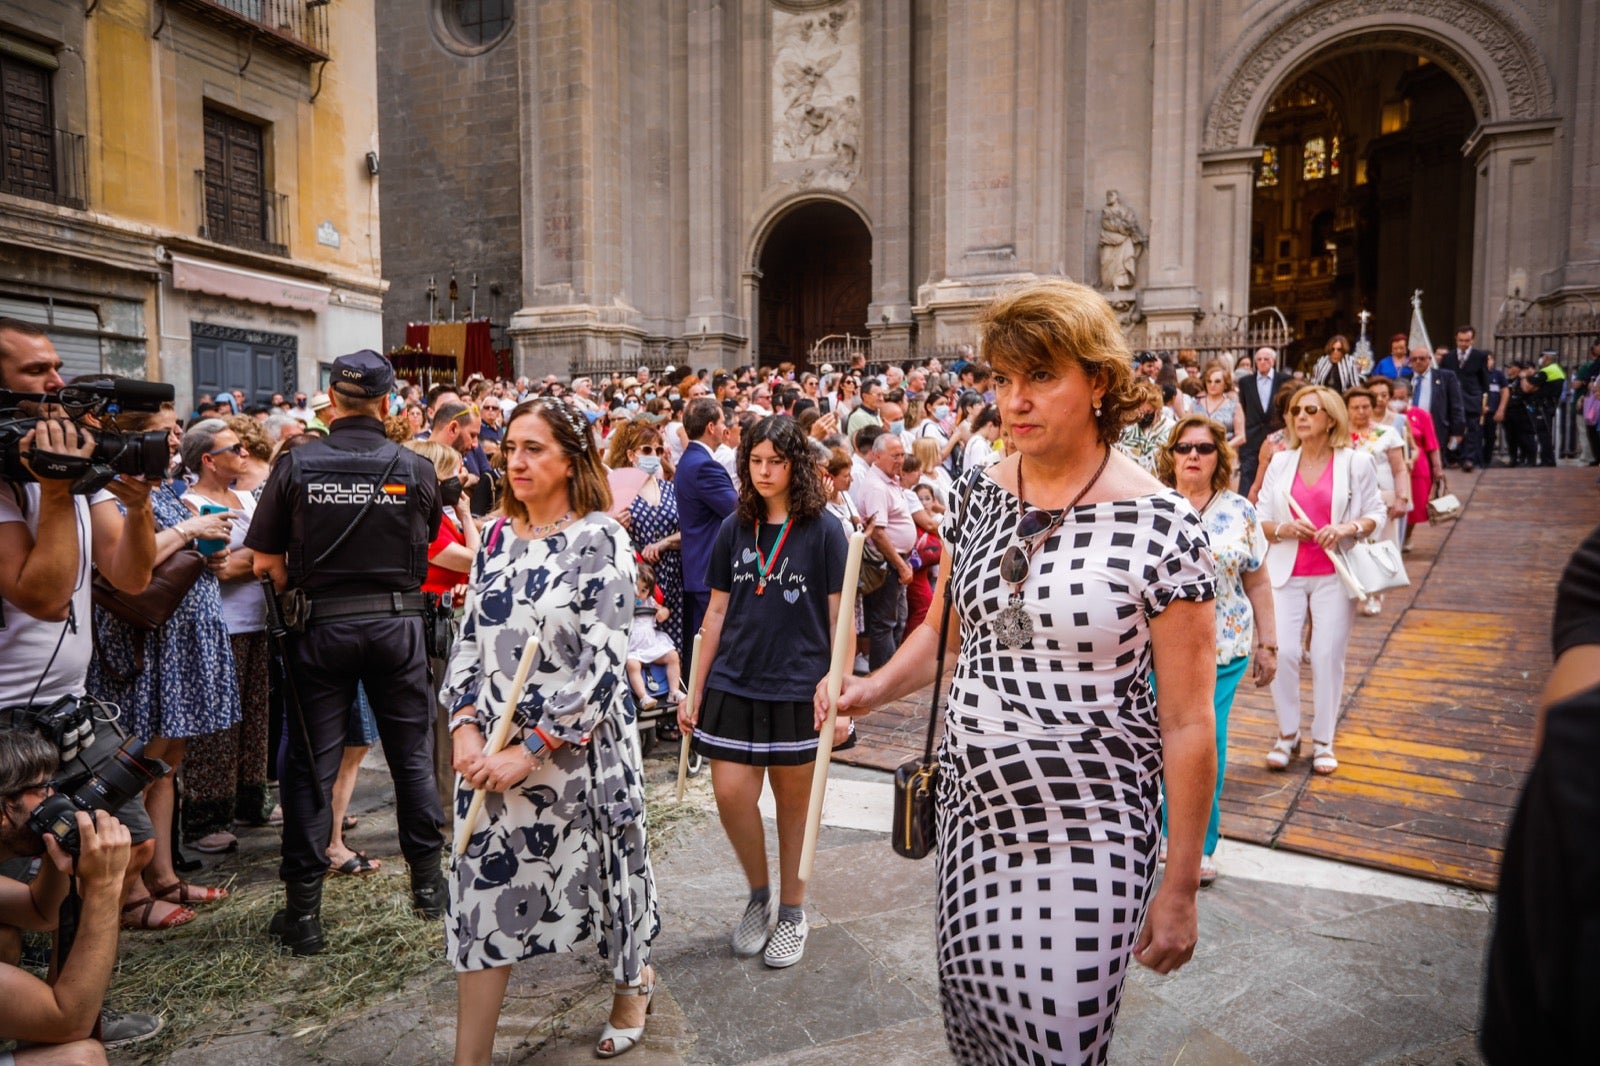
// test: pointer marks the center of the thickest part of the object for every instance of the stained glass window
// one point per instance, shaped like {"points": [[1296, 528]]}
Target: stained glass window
{"points": [[1333, 155], [1315, 159], [1268, 174]]}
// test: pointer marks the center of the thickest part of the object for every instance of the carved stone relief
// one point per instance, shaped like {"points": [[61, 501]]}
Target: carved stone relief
{"points": [[816, 95], [1514, 56]]}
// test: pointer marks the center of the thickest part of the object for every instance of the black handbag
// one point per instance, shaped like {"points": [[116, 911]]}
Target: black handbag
{"points": [[916, 781]]}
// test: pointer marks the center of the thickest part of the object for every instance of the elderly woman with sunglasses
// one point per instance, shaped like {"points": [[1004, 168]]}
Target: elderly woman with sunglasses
{"points": [[1073, 574], [1317, 497], [226, 774], [1198, 461]]}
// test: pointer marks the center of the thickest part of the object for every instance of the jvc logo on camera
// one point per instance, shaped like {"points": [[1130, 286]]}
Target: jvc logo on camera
{"points": [[337, 492]]}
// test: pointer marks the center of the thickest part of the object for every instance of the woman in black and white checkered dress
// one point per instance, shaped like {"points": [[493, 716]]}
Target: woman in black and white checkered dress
{"points": [[1076, 575]]}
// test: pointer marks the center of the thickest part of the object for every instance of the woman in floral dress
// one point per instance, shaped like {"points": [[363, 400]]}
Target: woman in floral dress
{"points": [[559, 856], [1198, 461], [172, 683]]}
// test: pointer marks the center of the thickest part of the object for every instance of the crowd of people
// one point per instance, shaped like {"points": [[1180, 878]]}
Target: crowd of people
{"points": [[1111, 540]]}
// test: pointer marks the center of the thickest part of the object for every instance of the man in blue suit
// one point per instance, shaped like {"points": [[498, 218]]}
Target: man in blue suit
{"points": [[706, 495]]}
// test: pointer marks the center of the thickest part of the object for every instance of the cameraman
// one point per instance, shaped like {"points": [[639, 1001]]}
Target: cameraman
{"points": [[64, 1013], [48, 538]]}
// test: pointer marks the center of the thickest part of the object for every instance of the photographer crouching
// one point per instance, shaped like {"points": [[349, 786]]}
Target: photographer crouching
{"points": [[60, 1015], [60, 483]]}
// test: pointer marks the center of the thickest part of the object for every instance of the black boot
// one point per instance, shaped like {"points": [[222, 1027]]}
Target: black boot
{"points": [[298, 926], [428, 889]]}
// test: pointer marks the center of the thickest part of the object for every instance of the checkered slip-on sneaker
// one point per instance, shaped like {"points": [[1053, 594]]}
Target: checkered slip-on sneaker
{"points": [[787, 944], [751, 935]]}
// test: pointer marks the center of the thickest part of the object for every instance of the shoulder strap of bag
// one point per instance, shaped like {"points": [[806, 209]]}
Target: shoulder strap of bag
{"points": [[944, 622]]}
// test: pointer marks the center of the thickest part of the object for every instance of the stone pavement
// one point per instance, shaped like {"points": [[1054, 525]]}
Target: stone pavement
{"points": [[1301, 960]]}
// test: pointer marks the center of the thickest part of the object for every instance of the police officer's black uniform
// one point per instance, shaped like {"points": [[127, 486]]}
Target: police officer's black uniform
{"points": [[364, 623], [1518, 426]]}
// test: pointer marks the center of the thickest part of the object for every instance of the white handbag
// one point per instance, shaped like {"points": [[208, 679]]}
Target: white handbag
{"points": [[1445, 507], [1376, 566]]}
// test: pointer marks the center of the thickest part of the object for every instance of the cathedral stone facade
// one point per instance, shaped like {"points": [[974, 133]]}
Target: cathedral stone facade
{"points": [[730, 181]]}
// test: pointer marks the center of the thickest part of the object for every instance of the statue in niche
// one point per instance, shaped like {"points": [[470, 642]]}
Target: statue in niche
{"points": [[1122, 241]]}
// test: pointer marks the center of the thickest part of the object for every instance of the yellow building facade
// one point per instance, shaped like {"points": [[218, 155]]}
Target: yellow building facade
{"points": [[188, 188]]}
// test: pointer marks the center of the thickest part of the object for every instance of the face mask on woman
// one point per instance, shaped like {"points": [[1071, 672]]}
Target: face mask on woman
{"points": [[633, 406], [1398, 406], [941, 412], [450, 491], [650, 464]]}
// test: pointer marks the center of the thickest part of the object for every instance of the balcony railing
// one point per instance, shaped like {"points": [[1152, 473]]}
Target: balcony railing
{"points": [[264, 230], [59, 178], [299, 27]]}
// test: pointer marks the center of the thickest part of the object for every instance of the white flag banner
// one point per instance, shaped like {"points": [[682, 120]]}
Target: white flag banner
{"points": [[1419, 328]]}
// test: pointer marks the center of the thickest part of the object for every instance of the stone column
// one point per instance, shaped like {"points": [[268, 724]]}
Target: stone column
{"points": [[999, 131], [574, 219], [1578, 190], [712, 321], [1513, 224], [1227, 184], [1171, 300], [887, 91]]}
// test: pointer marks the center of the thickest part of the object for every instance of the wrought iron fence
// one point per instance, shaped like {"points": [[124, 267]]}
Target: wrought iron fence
{"points": [[1523, 335], [1236, 341], [296, 26], [61, 178], [264, 229], [656, 354]]}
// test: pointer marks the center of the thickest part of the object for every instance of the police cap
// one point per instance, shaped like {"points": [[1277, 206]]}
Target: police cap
{"points": [[364, 374]]}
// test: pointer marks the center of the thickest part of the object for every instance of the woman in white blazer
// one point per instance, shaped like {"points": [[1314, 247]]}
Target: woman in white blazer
{"points": [[1337, 489]]}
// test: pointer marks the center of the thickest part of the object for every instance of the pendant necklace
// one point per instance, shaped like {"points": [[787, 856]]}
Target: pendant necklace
{"points": [[1012, 626], [765, 564]]}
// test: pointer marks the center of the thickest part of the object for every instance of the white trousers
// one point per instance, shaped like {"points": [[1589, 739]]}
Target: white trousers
{"points": [[1332, 614]]}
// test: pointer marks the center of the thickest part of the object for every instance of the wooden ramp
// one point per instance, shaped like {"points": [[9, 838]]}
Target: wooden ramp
{"points": [[1441, 692]]}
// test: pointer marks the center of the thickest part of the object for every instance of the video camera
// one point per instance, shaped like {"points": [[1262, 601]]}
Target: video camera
{"points": [[139, 454]]}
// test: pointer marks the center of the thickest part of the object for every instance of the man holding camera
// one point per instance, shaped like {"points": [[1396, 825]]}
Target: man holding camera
{"points": [[48, 538], [62, 1015], [344, 526]]}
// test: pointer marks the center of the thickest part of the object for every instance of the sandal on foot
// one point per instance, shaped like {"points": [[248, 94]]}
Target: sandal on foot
{"points": [[1322, 760], [182, 893], [216, 843], [1208, 870], [615, 1041], [136, 915], [356, 865], [1283, 749]]}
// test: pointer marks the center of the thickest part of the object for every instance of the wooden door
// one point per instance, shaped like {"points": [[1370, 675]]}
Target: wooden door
{"points": [[235, 179]]}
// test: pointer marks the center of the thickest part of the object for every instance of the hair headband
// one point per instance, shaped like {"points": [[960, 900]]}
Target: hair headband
{"points": [[579, 424]]}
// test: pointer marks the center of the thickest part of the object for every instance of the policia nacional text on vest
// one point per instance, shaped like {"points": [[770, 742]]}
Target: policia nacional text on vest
{"points": [[350, 518]]}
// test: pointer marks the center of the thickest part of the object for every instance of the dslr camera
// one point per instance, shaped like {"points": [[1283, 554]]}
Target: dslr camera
{"points": [[135, 454], [113, 783]]}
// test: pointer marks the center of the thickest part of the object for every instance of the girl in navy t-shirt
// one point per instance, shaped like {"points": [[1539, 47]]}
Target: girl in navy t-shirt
{"points": [[776, 572]]}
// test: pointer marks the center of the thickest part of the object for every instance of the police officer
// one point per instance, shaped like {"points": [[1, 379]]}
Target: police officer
{"points": [[1521, 447], [1544, 404], [343, 529]]}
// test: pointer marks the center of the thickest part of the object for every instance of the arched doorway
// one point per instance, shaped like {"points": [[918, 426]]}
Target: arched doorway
{"points": [[1485, 48], [1362, 196], [816, 280]]}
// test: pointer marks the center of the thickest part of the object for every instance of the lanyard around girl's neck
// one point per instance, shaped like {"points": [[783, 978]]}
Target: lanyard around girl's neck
{"points": [[765, 564]]}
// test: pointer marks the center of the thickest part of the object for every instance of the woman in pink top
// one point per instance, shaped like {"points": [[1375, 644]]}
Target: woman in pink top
{"points": [[1428, 468], [1336, 488]]}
